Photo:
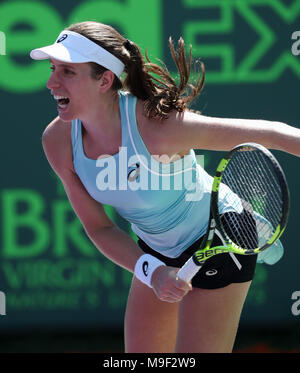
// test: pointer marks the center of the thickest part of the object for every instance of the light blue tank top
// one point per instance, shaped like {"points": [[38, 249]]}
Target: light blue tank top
{"points": [[166, 204]]}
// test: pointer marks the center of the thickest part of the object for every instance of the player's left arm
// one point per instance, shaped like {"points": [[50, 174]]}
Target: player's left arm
{"points": [[191, 130]]}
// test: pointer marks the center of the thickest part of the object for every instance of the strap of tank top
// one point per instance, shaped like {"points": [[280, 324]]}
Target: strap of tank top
{"points": [[76, 136]]}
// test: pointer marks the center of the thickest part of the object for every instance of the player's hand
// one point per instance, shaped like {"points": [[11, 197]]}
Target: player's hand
{"points": [[167, 286]]}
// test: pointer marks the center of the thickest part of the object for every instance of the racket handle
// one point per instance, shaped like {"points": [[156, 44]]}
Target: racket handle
{"points": [[188, 270]]}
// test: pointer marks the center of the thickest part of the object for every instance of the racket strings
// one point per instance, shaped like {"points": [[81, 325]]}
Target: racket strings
{"points": [[258, 201], [241, 229], [276, 201], [270, 207], [251, 176]]}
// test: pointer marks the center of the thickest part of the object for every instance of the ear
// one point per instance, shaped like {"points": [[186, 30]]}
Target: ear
{"points": [[106, 81]]}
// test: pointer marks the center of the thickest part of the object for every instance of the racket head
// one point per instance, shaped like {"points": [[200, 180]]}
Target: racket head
{"points": [[255, 176]]}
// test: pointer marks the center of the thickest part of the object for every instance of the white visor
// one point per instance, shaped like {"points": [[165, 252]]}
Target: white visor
{"points": [[75, 48]]}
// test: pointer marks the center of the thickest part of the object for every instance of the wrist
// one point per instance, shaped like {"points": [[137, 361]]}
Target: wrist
{"points": [[145, 266]]}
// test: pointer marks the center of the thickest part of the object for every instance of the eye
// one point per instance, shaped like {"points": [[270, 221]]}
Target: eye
{"points": [[68, 72]]}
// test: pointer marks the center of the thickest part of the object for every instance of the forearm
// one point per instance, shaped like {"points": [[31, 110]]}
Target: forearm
{"points": [[117, 246]]}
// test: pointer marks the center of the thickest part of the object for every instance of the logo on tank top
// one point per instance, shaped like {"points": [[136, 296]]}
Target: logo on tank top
{"points": [[145, 268], [134, 172]]}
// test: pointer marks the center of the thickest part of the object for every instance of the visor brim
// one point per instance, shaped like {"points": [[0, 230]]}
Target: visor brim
{"points": [[58, 52]]}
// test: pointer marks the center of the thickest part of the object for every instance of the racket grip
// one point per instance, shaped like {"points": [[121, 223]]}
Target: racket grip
{"points": [[188, 270]]}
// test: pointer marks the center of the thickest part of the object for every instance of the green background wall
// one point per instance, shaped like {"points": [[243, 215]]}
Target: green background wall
{"points": [[51, 274]]}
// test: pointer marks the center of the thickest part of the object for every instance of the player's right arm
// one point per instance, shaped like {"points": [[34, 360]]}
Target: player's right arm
{"points": [[108, 238]]}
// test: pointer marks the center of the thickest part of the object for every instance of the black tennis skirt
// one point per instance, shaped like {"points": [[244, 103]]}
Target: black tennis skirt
{"points": [[218, 271]]}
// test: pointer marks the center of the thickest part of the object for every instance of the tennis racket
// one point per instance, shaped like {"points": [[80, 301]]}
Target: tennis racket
{"points": [[249, 206]]}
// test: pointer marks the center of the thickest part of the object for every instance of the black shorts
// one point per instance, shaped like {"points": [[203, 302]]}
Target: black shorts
{"points": [[218, 271]]}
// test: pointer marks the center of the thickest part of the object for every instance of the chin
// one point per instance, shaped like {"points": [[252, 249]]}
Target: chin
{"points": [[66, 117]]}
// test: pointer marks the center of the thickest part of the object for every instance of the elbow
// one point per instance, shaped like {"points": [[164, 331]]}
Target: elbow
{"points": [[280, 137], [271, 135], [286, 138], [95, 232]]}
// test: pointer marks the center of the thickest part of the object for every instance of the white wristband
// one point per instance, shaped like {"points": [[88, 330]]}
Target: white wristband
{"points": [[145, 266]]}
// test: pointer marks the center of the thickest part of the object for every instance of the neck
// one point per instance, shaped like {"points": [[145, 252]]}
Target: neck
{"points": [[105, 119]]}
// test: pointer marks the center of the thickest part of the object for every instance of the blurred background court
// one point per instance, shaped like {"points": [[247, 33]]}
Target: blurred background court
{"points": [[61, 294]]}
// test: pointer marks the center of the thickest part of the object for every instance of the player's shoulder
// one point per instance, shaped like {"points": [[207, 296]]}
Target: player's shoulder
{"points": [[57, 145], [56, 131]]}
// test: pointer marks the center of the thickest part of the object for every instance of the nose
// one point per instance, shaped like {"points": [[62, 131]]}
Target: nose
{"points": [[53, 81]]}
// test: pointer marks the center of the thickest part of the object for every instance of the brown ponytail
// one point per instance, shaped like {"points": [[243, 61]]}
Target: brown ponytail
{"points": [[147, 81]]}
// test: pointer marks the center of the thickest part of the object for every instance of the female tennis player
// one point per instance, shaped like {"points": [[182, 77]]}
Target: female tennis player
{"points": [[128, 141]]}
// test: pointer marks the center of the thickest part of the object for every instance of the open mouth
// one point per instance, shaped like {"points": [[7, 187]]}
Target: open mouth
{"points": [[62, 102]]}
